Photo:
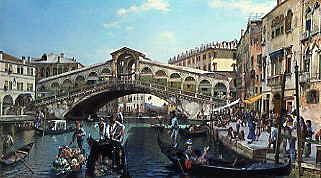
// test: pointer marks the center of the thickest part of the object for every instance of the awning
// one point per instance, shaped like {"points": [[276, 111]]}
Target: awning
{"points": [[253, 99], [227, 106], [277, 54]]}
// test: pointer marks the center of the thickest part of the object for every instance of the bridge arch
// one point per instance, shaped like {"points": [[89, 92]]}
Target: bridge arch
{"points": [[146, 74], [220, 90], [161, 77], [175, 81], [205, 87], [21, 101], [92, 103], [80, 81], [189, 84], [55, 86], [66, 85], [7, 104]]}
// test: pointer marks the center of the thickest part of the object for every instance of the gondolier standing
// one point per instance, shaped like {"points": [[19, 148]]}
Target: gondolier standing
{"points": [[7, 143], [174, 128], [79, 134]]}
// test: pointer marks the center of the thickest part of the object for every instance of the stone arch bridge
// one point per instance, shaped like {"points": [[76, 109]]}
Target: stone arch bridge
{"points": [[83, 91]]}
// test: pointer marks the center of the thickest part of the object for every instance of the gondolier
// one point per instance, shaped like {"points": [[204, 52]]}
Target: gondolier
{"points": [[115, 129], [79, 134], [174, 128]]}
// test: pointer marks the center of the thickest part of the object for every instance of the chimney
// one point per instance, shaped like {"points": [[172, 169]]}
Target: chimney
{"points": [[28, 59], [278, 2], [1, 55], [242, 32], [62, 55]]}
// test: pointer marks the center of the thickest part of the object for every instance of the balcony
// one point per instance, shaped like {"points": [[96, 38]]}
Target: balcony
{"points": [[306, 77], [275, 80]]}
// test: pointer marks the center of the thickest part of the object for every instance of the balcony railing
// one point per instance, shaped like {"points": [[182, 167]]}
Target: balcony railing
{"points": [[275, 80]]}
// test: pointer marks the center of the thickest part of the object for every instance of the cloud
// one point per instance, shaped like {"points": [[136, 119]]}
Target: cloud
{"points": [[159, 5], [167, 36], [248, 7], [113, 24]]}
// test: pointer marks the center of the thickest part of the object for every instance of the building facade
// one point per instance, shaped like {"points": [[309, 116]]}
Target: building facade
{"points": [[17, 84], [210, 57], [53, 64], [249, 62], [281, 50], [311, 60], [134, 103]]}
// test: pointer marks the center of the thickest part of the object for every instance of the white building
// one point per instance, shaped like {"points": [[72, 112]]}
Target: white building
{"points": [[134, 103], [17, 84]]}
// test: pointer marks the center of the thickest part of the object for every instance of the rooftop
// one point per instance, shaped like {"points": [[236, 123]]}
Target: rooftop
{"points": [[54, 58], [226, 45]]}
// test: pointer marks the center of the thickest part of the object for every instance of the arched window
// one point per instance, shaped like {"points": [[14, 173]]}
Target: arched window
{"points": [[288, 21]]}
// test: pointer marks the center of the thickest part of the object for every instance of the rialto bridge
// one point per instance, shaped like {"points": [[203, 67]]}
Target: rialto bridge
{"points": [[83, 91]]}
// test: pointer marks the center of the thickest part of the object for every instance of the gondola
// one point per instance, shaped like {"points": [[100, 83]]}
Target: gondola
{"points": [[200, 131], [103, 159], [54, 127], [16, 156], [39, 131], [223, 168]]}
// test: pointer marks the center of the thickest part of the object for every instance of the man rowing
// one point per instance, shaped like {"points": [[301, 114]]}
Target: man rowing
{"points": [[79, 135]]}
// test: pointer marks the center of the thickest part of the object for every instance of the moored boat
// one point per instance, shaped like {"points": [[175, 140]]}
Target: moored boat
{"points": [[16, 156], [223, 168], [54, 127], [194, 131]]}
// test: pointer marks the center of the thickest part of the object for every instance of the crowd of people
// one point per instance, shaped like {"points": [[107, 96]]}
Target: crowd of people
{"points": [[257, 123]]}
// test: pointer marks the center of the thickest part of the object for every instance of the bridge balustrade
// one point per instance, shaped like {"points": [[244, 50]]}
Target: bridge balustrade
{"points": [[92, 88]]}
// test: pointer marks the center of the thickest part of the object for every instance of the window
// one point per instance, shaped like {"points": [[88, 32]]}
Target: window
{"points": [[214, 66], [209, 67], [313, 97], [288, 65], [20, 70], [308, 25], [10, 85], [6, 85], [19, 86], [204, 56], [288, 21], [259, 60], [29, 87], [306, 63]]}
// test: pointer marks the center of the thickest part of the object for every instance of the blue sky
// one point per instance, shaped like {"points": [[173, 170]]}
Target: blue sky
{"points": [[91, 29]]}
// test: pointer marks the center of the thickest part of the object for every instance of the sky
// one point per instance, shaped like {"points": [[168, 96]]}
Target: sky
{"points": [[91, 29]]}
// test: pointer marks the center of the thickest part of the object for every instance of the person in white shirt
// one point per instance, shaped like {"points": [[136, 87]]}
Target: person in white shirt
{"points": [[115, 130]]}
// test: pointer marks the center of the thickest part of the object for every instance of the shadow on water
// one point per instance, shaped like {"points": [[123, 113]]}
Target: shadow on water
{"points": [[144, 156]]}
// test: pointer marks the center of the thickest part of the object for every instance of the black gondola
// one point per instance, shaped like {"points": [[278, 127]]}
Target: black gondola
{"points": [[54, 127], [223, 168], [16, 156], [99, 150], [200, 131], [39, 131]]}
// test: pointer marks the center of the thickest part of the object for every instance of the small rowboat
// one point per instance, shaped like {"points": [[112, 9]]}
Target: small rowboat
{"points": [[17, 155], [223, 168]]}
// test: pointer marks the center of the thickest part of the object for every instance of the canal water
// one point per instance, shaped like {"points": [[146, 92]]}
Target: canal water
{"points": [[143, 153]]}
